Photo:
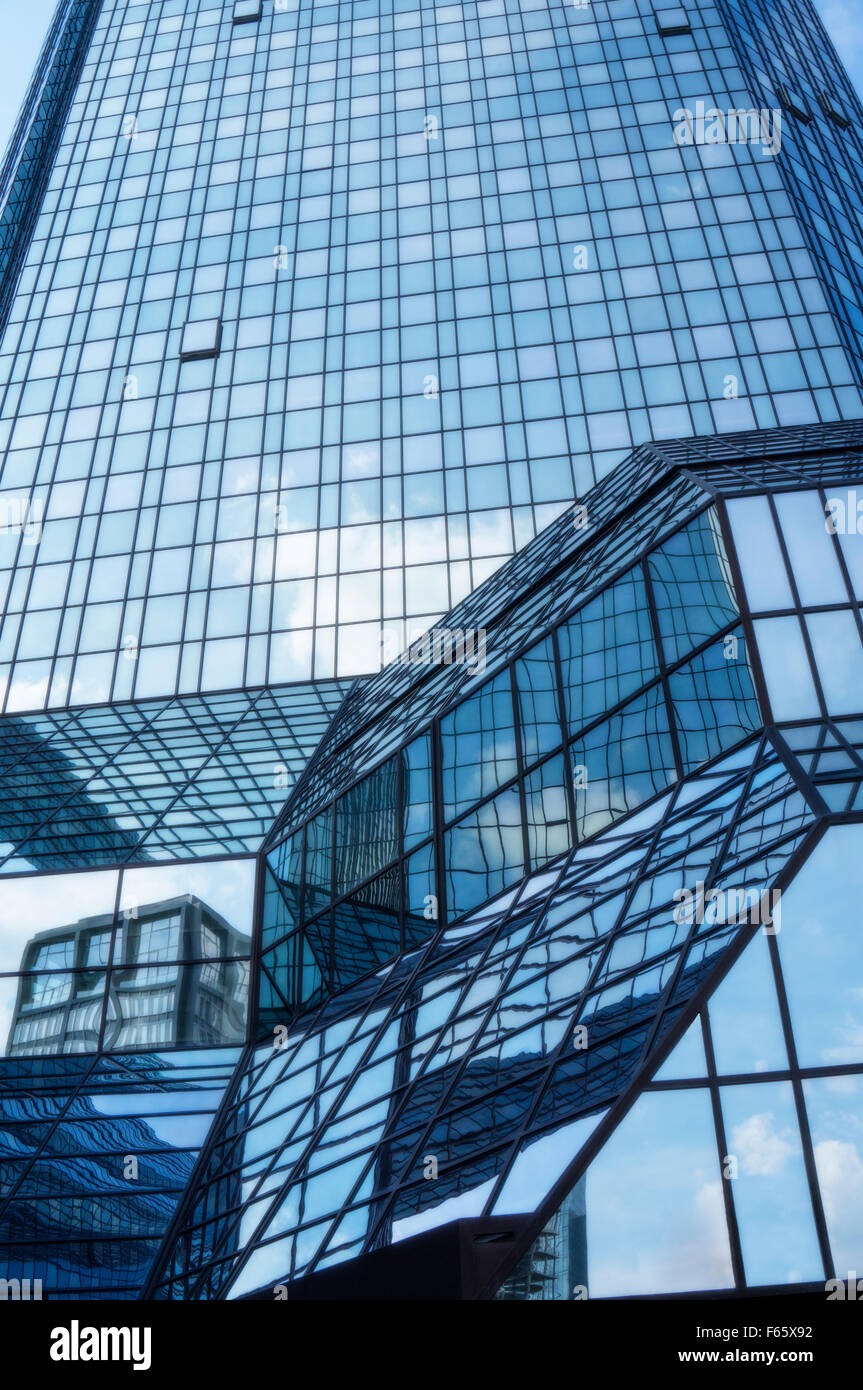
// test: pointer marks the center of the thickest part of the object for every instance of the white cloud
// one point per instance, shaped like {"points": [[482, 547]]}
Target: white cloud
{"points": [[760, 1149]]}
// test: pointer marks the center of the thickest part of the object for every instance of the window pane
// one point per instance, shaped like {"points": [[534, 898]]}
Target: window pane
{"points": [[621, 763], [537, 701], [607, 650], [692, 586], [714, 700], [478, 745]]}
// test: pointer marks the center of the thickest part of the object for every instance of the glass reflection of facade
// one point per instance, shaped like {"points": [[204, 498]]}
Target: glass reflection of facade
{"points": [[431, 653]]}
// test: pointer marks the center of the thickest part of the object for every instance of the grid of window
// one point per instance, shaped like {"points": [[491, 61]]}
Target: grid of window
{"points": [[637, 687], [386, 210], [801, 560], [783, 50], [161, 779], [746, 1119], [470, 1049], [69, 1214]]}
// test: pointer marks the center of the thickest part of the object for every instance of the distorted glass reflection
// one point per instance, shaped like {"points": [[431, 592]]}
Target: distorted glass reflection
{"points": [[158, 966]]}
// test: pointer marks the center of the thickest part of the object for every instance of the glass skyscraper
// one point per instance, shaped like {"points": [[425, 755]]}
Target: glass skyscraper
{"points": [[431, 559]]}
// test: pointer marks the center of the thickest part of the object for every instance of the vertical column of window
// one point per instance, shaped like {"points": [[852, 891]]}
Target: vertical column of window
{"points": [[519, 762], [657, 637], [705, 662]]}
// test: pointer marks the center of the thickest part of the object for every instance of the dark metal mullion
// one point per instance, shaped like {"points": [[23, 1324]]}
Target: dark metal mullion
{"points": [[800, 1107], [436, 743], [562, 714], [735, 1246], [804, 781], [801, 620], [833, 540], [602, 953], [579, 1165], [520, 774], [753, 655], [661, 663]]}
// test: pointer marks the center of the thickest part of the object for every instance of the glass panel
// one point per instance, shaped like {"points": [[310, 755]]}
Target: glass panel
{"points": [[223, 892], [844, 519], [821, 950], [417, 782], [687, 1059], [714, 699], [548, 832], [655, 1214], [745, 1025], [367, 826], [367, 928], [810, 549], [621, 763], [539, 716], [478, 745], [761, 562], [61, 924], [421, 896], [787, 673], [607, 650], [839, 658], [835, 1109], [194, 1003], [484, 853], [692, 586], [318, 862], [768, 1184]]}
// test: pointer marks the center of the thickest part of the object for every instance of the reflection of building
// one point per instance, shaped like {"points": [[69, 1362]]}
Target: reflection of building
{"points": [[173, 976], [555, 1267], [100, 1228]]}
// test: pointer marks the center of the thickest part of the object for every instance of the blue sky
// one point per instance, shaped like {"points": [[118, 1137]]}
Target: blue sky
{"points": [[22, 39]]}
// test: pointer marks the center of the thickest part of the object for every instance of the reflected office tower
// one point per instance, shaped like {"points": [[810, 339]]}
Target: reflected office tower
{"points": [[173, 978], [536, 326]]}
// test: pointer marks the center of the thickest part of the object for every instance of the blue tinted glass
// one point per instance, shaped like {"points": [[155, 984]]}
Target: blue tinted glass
{"points": [[367, 826], [768, 1185], [478, 745], [835, 1111], [416, 775], [787, 673], [607, 650], [714, 700], [537, 701], [765, 579], [621, 763], [548, 832], [839, 658], [810, 550], [484, 853], [822, 951], [692, 586], [655, 1215]]}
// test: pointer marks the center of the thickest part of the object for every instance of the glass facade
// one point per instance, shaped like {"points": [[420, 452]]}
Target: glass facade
{"points": [[431, 650]]}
